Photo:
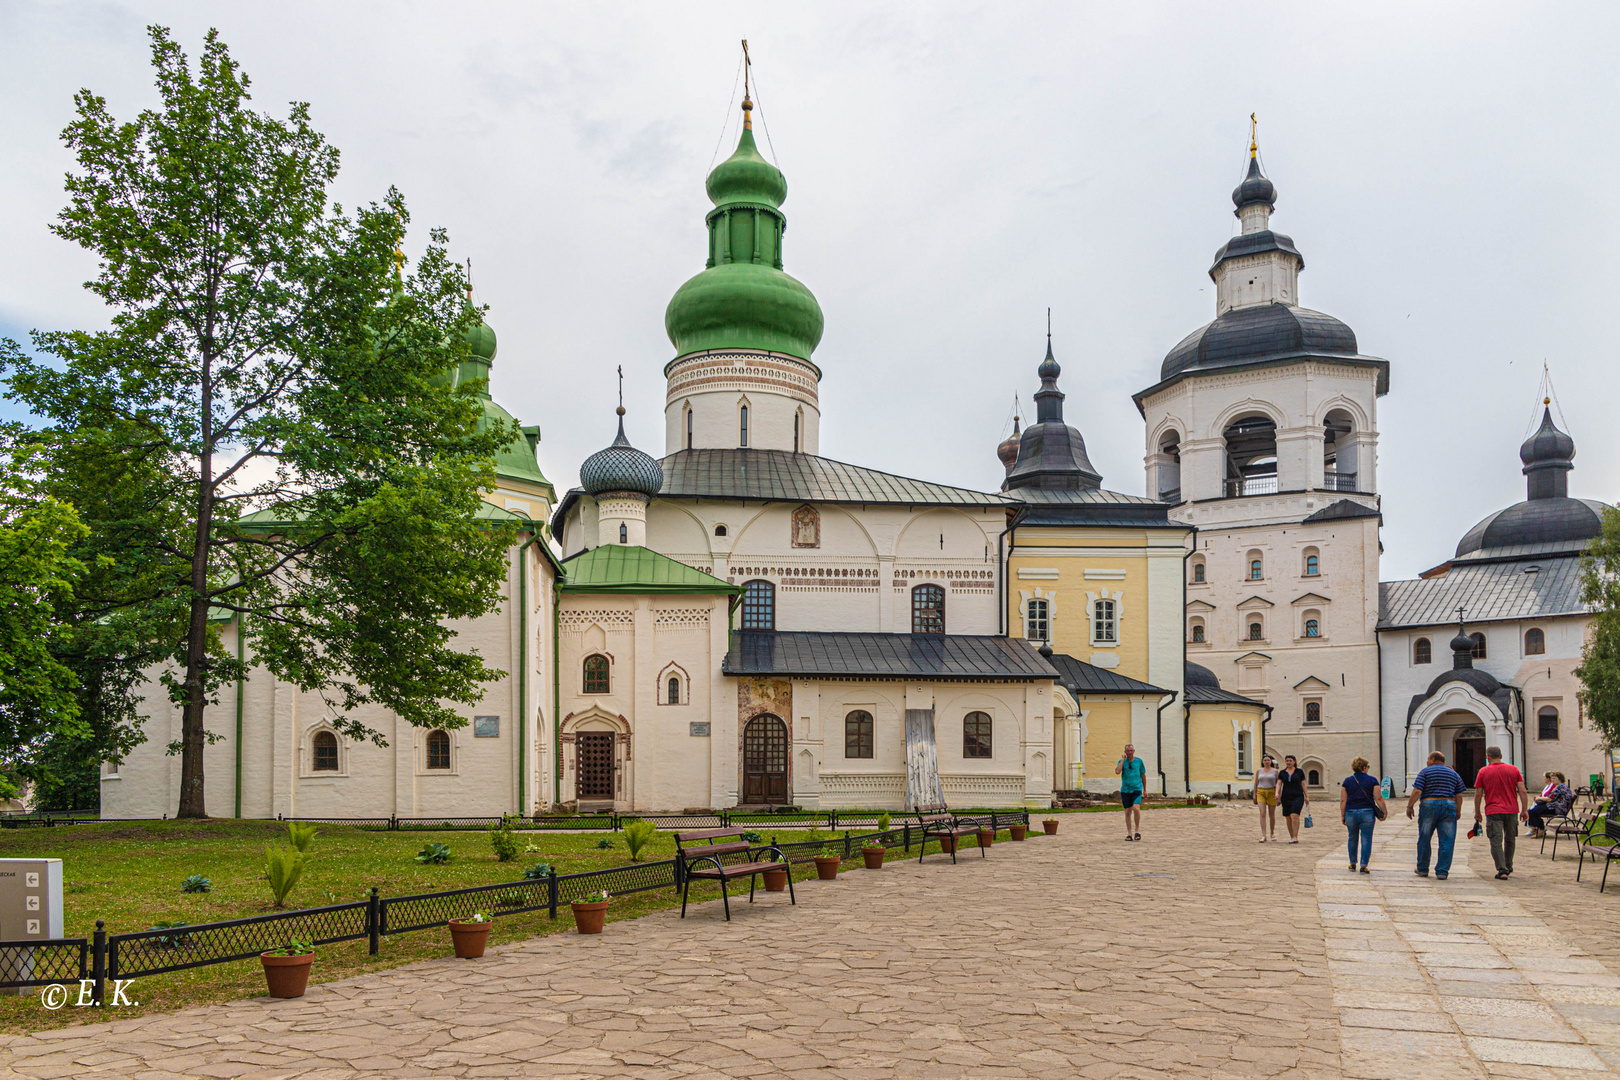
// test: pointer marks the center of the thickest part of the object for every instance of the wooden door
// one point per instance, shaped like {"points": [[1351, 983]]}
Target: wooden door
{"points": [[1470, 759], [765, 758], [595, 780]]}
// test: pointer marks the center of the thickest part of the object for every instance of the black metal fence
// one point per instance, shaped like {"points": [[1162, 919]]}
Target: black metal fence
{"points": [[176, 948]]}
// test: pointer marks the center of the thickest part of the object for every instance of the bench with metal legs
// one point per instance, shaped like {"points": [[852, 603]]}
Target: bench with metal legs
{"points": [[706, 862], [939, 823]]}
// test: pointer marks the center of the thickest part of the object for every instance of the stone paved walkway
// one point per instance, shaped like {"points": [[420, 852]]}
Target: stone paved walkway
{"points": [[1197, 953], [1456, 979]]}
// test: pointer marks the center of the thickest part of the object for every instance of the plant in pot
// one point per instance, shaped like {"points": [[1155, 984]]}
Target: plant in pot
{"points": [[590, 911], [987, 836], [827, 863], [872, 854], [1017, 831], [776, 878], [1050, 825], [286, 970], [470, 935]]}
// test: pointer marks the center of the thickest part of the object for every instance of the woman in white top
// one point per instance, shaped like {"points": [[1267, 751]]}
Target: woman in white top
{"points": [[1265, 797]]}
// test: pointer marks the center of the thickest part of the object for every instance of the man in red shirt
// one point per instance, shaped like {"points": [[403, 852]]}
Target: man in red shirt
{"points": [[1501, 787]]}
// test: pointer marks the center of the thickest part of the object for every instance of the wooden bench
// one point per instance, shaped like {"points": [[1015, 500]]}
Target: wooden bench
{"points": [[1605, 846], [707, 861], [938, 822]]}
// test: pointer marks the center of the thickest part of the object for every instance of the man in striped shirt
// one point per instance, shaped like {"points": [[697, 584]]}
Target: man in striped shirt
{"points": [[1440, 790]]}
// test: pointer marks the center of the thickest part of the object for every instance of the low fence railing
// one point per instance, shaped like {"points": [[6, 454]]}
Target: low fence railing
{"points": [[178, 947]]}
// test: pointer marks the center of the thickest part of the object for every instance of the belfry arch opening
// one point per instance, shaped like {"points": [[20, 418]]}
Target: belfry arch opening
{"points": [[1170, 466], [1251, 456], [1338, 452]]}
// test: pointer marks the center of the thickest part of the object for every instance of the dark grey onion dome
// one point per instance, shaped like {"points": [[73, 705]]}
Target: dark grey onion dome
{"points": [[1255, 188], [1051, 454], [621, 467], [1263, 334], [1007, 449], [1199, 675], [1548, 516], [1254, 244]]}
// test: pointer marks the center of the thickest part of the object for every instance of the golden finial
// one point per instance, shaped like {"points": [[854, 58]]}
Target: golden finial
{"points": [[399, 258], [1546, 401], [1254, 143], [748, 104], [469, 281]]}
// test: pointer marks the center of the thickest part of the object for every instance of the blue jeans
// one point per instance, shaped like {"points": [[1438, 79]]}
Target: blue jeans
{"points": [[1436, 815], [1360, 824]]}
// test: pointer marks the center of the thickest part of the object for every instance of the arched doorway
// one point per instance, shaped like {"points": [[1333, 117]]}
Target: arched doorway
{"points": [[1470, 750], [765, 761]]}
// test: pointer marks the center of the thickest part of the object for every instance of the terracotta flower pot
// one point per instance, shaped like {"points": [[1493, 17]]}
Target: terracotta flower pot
{"points": [[827, 867], [287, 976], [469, 938], [947, 845], [1050, 825], [588, 918], [1018, 831], [987, 837], [776, 880], [873, 858]]}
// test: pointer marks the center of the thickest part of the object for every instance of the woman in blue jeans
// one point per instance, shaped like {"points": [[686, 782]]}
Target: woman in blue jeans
{"points": [[1361, 803]]}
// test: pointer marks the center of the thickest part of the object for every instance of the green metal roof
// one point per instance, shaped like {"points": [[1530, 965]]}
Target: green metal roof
{"points": [[621, 568]]}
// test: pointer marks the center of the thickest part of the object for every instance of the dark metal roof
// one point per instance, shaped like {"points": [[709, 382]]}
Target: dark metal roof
{"points": [[782, 475], [1481, 681], [1489, 591], [1343, 510], [1536, 521], [1079, 677], [883, 656], [1253, 244], [1201, 687]]}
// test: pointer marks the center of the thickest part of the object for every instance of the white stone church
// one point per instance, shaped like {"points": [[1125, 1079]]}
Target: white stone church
{"points": [[743, 621]]}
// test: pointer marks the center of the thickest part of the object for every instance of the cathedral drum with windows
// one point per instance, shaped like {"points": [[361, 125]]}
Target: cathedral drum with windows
{"points": [[1481, 650], [1262, 432]]}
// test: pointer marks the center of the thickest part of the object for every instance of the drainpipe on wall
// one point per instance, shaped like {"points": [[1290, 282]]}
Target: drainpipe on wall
{"points": [[556, 688], [1158, 742], [523, 667], [241, 678], [1378, 640], [1003, 590], [1186, 746], [1264, 720]]}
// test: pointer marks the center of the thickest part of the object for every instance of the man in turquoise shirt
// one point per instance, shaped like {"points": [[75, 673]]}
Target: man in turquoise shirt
{"points": [[1132, 775]]}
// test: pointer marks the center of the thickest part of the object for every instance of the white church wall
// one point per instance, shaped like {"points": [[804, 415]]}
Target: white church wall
{"points": [[713, 388]]}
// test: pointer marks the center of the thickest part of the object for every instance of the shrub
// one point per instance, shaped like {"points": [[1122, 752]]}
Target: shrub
{"points": [[883, 821], [637, 835], [753, 837], [537, 871], [196, 883], [433, 854], [604, 844], [283, 867], [502, 840], [300, 834], [509, 898], [170, 941]]}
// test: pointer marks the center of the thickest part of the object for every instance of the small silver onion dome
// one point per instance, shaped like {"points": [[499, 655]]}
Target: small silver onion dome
{"points": [[621, 467]]}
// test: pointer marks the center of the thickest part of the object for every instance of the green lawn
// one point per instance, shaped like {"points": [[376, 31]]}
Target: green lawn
{"points": [[129, 875]]}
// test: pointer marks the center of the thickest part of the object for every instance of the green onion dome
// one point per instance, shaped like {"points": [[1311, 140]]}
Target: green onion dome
{"points": [[516, 460], [742, 299]]}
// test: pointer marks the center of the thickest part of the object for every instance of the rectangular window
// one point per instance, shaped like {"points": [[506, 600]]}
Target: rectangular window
{"points": [[1547, 723], [976, 735], [1313, 712], [1037, 623], [858, 735], [1104, 624], [928, 609]]}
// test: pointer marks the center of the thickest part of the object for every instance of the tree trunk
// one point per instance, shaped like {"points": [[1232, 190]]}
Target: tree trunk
{"points": [[192, 804]]}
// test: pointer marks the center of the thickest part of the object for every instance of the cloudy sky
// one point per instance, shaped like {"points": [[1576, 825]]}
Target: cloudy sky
{"points": [[1450, 172]]}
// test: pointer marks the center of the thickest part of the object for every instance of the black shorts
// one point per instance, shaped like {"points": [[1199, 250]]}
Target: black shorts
{"points": [[1292, 804], [1129, 799]]}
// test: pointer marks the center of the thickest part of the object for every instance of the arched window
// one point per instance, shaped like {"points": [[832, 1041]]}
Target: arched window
{"points": [[976, 735], [1257, 630], [1478, 651], [742, 426], [1547, 722], [719, 530], [1313, 712], [673, 690], [624, 534], [597, 680], [1198, 571], [1245, 752], [928, 609], [689, 427], [1313, 777], [1198, 632], [1313, 563], [1313, 624], [1251, 456], [438, 750], [1338, 452], [325, 757], [1037, 621], [759, 606], [1257, 568], [1422, 651], [1535, 642], [1104, 623], [858, 734]]}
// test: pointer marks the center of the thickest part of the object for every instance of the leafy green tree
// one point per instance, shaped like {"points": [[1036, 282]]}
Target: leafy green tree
{"points": [[270, 404], [1599, 670]]}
